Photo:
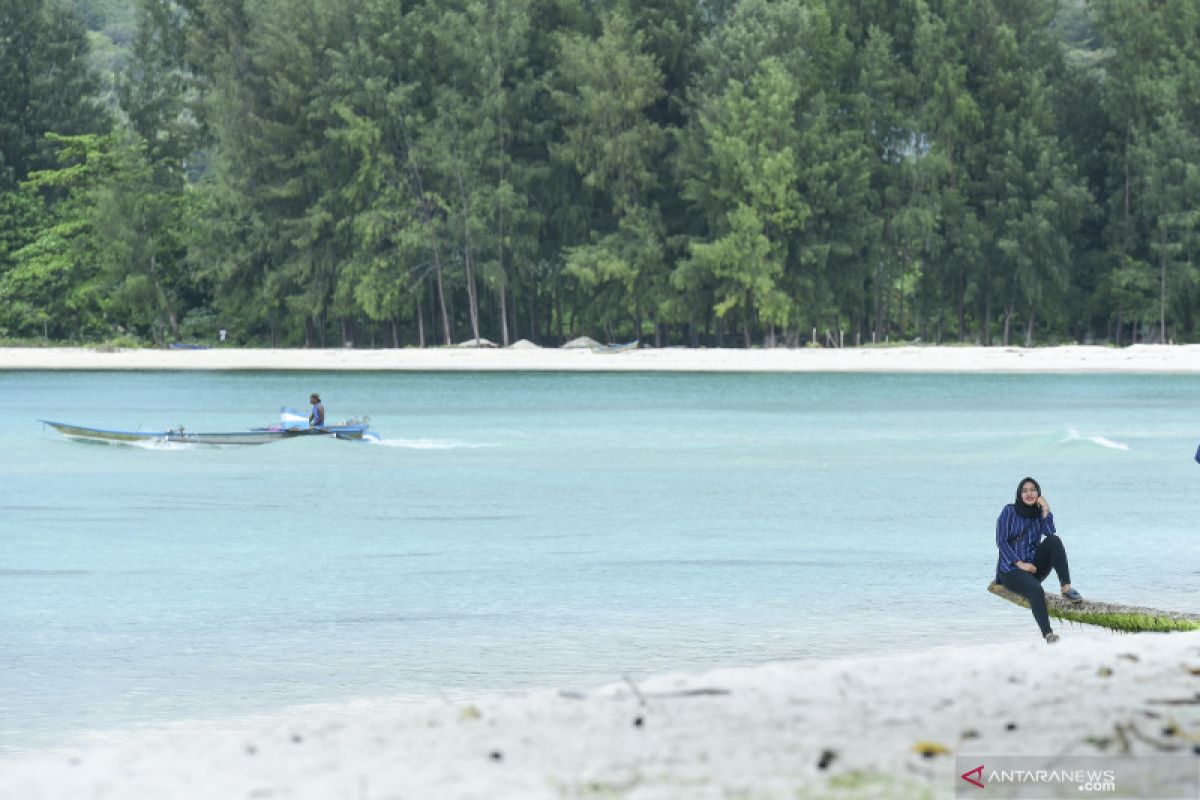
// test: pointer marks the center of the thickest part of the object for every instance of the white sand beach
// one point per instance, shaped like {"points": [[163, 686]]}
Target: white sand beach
{"points": [[1074, 358], [867, 727]]}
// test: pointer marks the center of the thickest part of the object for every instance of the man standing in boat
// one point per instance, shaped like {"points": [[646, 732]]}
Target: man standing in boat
{"points": [[316, 417]]}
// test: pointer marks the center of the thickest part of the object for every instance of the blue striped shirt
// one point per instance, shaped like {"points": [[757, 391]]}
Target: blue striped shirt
{"points": [[1018, 537]]}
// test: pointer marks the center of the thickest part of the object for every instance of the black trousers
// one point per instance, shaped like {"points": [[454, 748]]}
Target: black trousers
{"points": [[1050, 555]]}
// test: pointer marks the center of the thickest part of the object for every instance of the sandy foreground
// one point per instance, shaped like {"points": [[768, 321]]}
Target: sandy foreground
{"points": [[1076, 358], [900, 726]]}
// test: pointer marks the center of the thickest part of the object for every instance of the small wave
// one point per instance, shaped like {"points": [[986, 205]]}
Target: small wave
{"points": [[429, 444], [161, 444], [142, 444], [1074, 436]]}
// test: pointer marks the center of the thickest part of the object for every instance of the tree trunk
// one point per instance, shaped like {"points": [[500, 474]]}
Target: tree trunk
{"points": [[504, 333], [1128, 177], [513, 317], [985, 325], [880, 300], [447, 338], [1094, 612], [558, 307], [468, 252], [1162, 297], [962, 305], [161, 296], [1029, 328], [504, 309], [428, 215], [533, 328]]}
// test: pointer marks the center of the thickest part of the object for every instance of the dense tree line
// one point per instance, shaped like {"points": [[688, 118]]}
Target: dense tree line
{"points": [[701, 172]]}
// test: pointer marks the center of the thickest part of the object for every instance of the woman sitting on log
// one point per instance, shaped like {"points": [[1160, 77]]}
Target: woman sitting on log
{"points": [[1029, 550]]}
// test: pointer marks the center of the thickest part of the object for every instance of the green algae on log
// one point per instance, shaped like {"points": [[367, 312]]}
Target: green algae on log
{"points": [[1131, 619]]}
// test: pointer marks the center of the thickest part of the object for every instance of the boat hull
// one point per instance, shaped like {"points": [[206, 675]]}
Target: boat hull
{"points": [[181, 436]]}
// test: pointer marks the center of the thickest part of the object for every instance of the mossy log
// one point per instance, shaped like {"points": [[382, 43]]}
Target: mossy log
{"points": [[1131, 619]]}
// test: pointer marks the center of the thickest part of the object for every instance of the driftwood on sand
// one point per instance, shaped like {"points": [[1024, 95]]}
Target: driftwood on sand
{"points": [[1134, 619]]}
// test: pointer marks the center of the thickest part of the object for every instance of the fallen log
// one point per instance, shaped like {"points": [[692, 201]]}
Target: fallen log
{"points": [[1116, 617]]}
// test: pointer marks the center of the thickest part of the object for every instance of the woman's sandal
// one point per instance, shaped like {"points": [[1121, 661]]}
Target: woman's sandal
{"points": [[1073, 596]]}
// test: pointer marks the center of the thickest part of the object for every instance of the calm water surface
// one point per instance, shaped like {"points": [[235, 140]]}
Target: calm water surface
{"points": [[525, 530]]}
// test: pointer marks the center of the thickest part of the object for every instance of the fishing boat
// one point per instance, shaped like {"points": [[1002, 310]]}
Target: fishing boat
{"points": [[291, 426]]}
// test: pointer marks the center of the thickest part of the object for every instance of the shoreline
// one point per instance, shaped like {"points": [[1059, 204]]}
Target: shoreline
{"points": [[1136, 359], [883, 726]]}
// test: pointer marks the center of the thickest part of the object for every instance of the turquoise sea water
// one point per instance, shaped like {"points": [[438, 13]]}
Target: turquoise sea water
{"points": [[527, 530]]}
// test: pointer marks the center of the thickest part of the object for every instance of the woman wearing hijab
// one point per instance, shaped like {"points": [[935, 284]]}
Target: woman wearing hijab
{"points": [[1029, 550]]}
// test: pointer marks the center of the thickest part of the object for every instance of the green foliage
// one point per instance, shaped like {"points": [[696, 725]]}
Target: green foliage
{"points": [[99, 15], [607, 87], [45, 85], [1128, 623], [386, 172], [113, 344], [22, 213], [51, 286], [608, 137], [137, 231], [200, 324]]}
